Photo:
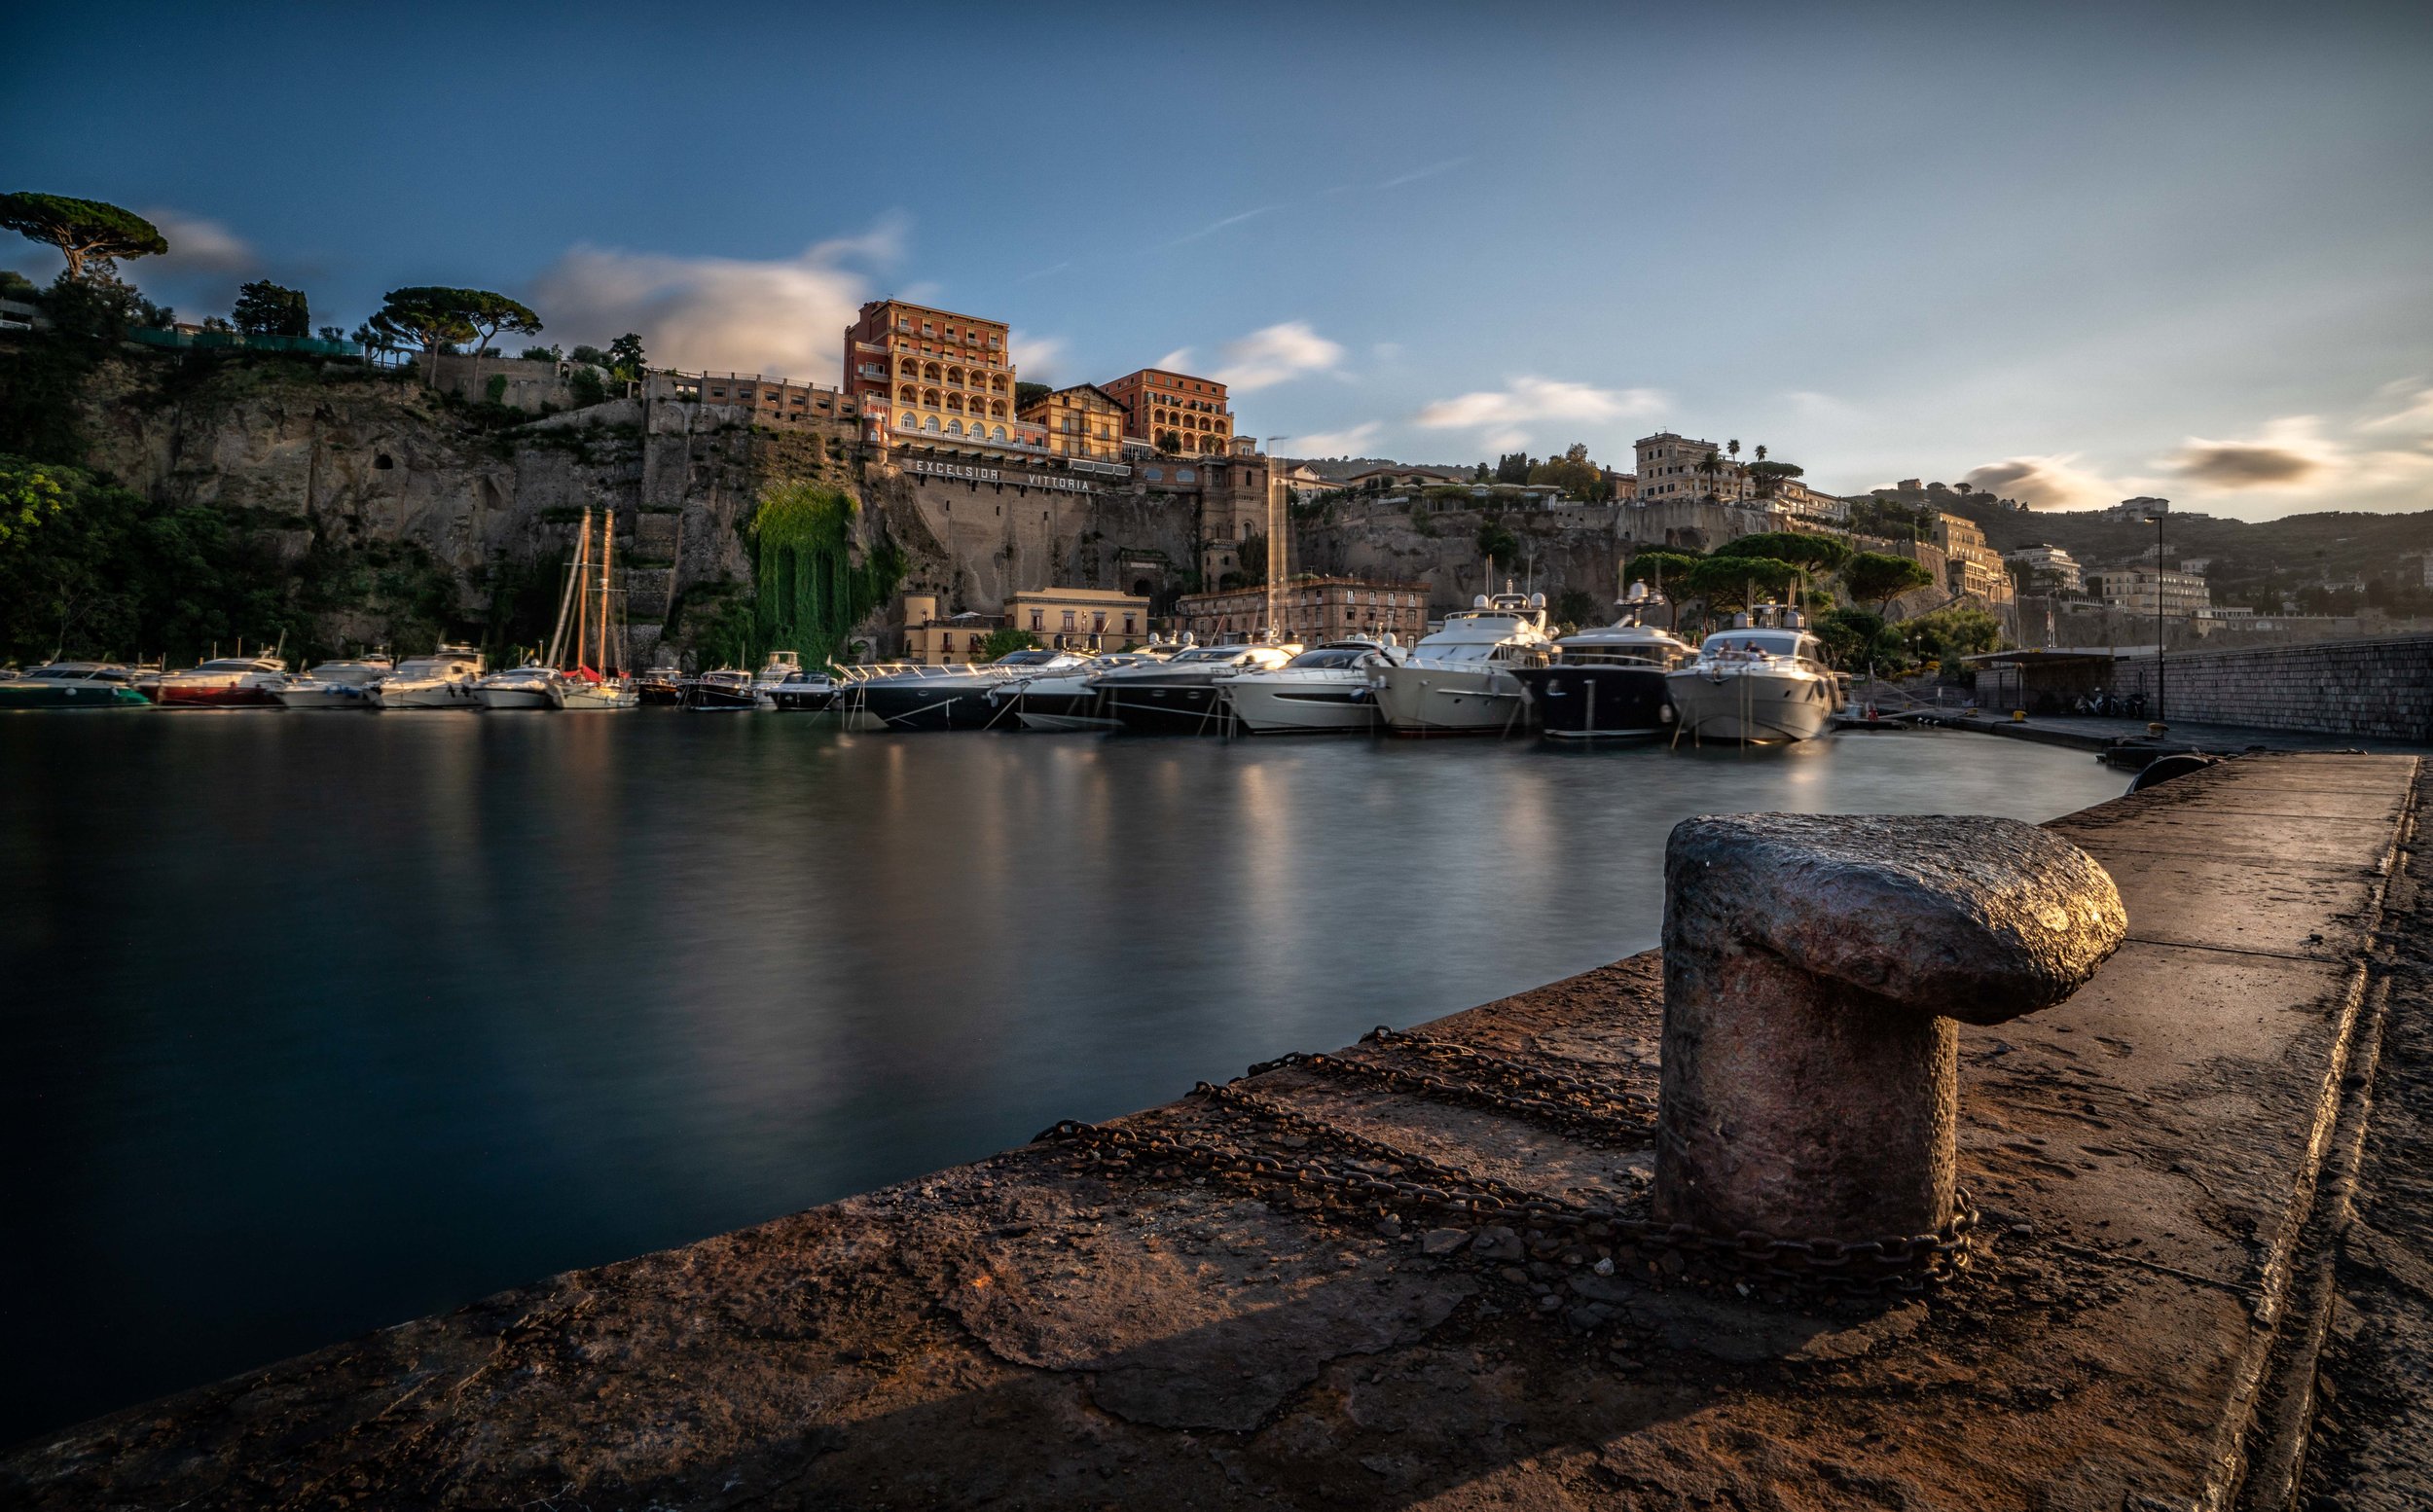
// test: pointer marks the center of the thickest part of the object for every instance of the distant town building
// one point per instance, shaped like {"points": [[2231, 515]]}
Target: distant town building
{"points": [[1079, 619], [1080, 421], [1174, 411], [1669, 468], [1376, 477], [1807, 505], [932, 373], [1305, 481], [2136, 589], [2049, 569], [1314, 610], [1621, 488], [2135, 512], [1970, 565]]}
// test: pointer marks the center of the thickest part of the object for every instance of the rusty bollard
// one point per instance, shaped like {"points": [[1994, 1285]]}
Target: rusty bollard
{"points": [[1814, 967]]}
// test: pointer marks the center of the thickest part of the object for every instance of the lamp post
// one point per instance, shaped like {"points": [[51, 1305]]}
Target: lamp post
{"points": [[2161, 512]]}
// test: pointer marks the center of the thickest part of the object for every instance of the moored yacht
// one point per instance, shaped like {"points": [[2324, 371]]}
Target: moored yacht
{"points": [[1607, 681], [1460, 680], [71, 685], [1763, 680], [1325, 689], [529, 686], [661, 685], [724, 691], [444, 680], [225, 682], [804, 693], [1063, 701], [773, 673], [1179, 694], [345, 684], [953, 697]]}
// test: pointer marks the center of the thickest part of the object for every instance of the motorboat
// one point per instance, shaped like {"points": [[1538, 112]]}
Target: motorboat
{"points": [[955, 697], [804, 693], [345, 684], [529, 686], [1064, 701], [446, 678], [725, 691], [1179, 694], [1461, 680], [71, 685], [225, 682], [663, 685], [1325, 689], [1763, 680], [1608, 682], [773, 673]]}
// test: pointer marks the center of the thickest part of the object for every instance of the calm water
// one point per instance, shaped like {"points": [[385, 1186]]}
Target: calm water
{"points": [[314, 1022]]}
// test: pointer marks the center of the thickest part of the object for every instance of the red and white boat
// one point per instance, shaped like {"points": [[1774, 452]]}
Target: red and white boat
{"points": [[225, 682]]}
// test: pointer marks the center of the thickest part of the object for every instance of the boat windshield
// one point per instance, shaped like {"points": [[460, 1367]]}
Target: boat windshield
{"points": [[1205, 654], [1026, 658], [1768, 642], [1340, 656]]}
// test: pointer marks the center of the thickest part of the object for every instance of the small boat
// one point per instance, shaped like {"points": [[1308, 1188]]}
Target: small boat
{"points": [[225, 682], [1608, 682], [529, 686], [1325, 689], [584, 691], [663, 685], [71, 685], [773, 673], [446, 678], [725, 689], [1179, 694], [343, 684], [1763, 680], [804, 693], [1460, 680]]}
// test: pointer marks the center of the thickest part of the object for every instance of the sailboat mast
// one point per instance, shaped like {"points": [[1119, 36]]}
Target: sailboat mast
{"points": [[582, 587], [565, 600], [607, 550]]}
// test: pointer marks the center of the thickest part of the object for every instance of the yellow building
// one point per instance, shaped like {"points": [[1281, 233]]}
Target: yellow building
{"points": [[1973, 566], [1081, 421], [1079, 619], [935, 641]]}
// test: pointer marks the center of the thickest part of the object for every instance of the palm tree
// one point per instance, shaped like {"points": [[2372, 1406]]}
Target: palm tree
{"points": [[1733, 447], [1760, 453], [1710, 466]]}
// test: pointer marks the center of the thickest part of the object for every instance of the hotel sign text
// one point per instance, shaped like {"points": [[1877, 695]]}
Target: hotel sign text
{"points": [[958, 471]]}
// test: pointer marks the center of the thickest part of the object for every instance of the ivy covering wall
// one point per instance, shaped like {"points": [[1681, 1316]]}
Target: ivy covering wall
{"points": [[809, 593]]}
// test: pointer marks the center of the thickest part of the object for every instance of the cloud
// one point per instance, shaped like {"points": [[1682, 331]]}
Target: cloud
{"points": [[1043, 272], [784, 317], [1176, 361], [1429, 171], [2045, 483], [1335, 443], [2239, 464], [199, 246], [2416, 414], [1509, 416], [1214, 226], [1280, 352], [1039, 359]]}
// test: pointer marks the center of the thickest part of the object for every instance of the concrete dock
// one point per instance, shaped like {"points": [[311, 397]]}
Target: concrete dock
{"points": [[2161, 1162]]}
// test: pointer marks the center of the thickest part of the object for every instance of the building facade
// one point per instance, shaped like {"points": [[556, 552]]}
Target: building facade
{"points": [[772, 400], [933, 639], [1175, 412], [2049, 569], [2149, 591], [1079, 619], [1080, 421], [1970, 565], [1669, 468], [917, 370], [1314, 610]]}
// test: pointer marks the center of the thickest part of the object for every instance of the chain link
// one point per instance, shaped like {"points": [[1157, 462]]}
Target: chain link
{"points": [[1318, 1163]]}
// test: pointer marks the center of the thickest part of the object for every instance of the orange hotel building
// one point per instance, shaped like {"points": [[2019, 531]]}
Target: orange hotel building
{"points": [[933, 372], [1156, 402]]}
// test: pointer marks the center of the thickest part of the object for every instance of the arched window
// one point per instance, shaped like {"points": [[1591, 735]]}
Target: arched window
{"points": [[954, 401], [931, 425], [953, 374], [996, 408], [908, 422], [997, 432], [911, 369], [930, 397], [930, 372], [953, 427], [909, 394]]}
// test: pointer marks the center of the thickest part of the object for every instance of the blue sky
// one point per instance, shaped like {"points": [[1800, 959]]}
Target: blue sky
{"points": [[2071, 253]]}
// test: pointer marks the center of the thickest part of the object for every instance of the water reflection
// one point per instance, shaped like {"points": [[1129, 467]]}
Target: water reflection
{"points": [[318, 1022]]}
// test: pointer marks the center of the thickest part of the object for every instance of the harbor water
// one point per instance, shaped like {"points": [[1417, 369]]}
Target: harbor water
{"points": [[316, 1022]]}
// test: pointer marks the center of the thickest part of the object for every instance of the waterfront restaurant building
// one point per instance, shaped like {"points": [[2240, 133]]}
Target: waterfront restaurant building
{"points": [[932, 374], [1175, 412], [1314, 610]]}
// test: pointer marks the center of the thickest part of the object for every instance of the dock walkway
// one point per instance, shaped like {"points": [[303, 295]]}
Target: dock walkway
{"points": [[2094, 732], [1040, 1330]]}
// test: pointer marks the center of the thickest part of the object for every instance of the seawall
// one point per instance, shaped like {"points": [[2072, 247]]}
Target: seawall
{"points": [[1062, 1325], [2378, 688]]}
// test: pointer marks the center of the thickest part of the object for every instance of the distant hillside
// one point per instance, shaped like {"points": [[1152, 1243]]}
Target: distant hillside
{"points": [[1336, 469]]}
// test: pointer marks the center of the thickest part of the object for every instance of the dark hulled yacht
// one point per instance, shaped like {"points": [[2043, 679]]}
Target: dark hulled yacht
{"points": [[1608, 683], [952, 698], [1181, 695]]}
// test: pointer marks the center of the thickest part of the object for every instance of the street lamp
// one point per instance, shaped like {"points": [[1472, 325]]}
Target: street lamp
{"points": [[2161, 512]]}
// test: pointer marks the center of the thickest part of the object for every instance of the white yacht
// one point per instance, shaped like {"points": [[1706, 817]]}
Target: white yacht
{"points": [[1607, 681], [1064, 701], [957, 697], [346, 684], [529, 686], [584, 691], [444, 680], [1325, 689], [1460, 680], [773, 673], [1178, 695], [1763, 680]]}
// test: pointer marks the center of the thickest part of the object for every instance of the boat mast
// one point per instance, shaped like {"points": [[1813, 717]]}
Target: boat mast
{"points": [[607, 550], [566, 598], [582, 587]]}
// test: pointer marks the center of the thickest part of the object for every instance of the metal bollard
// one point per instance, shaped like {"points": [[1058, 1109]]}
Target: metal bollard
{"points": [[1814, 967]]}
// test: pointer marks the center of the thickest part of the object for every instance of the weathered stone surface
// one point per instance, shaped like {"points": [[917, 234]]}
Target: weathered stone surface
{"points": [[1813, 967]]}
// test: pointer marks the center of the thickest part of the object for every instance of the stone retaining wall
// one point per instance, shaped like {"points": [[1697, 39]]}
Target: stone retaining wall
{"points": [[2381, 688]]}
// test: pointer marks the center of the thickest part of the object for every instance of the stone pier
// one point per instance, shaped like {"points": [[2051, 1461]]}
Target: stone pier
{"points": [[1158, 1314]]}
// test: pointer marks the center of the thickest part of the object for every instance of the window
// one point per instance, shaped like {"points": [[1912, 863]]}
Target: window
{"points": [[1038, 619], [1068, 619]]}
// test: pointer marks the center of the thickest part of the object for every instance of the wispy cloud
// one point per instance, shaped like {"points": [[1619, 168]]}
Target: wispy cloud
{"points": [[2292, 451], [1336, 443], [732, 314], [1429, 171], [197, 245], [1176, 361], [1280, 352], [1049, 270], [2414, 413], [1511, 416], [1214, 226], [1040, 359]]}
